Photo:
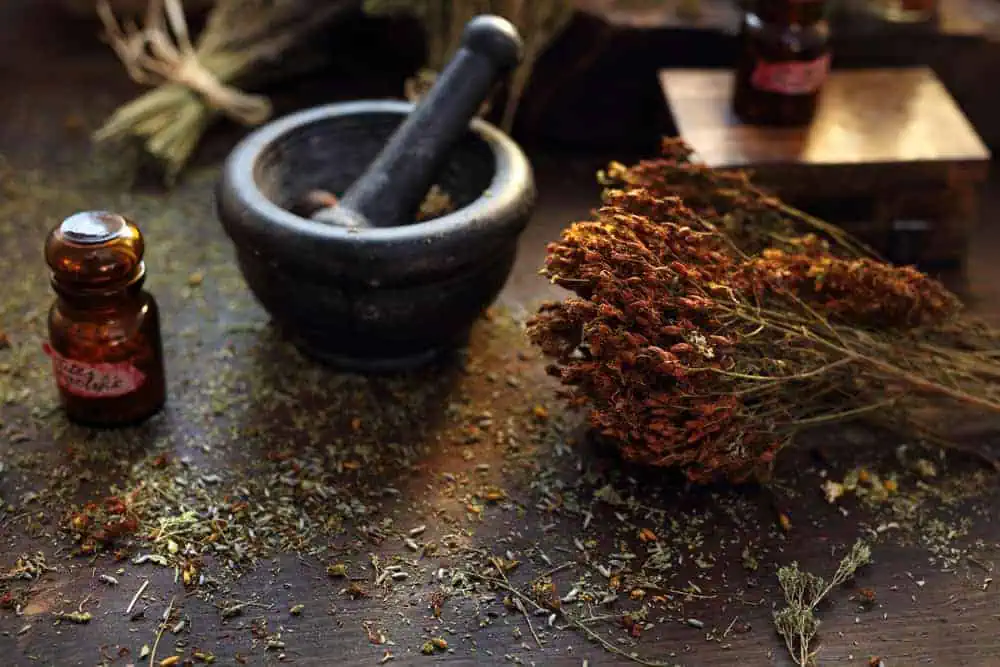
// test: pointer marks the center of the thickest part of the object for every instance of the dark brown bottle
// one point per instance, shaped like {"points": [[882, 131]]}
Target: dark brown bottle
{"points": [[104, 329], [784, 62]]}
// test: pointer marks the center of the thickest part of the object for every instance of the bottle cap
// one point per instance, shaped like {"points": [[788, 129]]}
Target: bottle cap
{"points": [[95, 249]]}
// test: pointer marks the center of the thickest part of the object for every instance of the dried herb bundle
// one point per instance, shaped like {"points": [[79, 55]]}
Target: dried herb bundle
{"points": [[539, 22], [196, 83], [705, 332]]}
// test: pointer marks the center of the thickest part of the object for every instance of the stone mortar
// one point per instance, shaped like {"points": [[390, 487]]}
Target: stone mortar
{"points": [[371, 299]]}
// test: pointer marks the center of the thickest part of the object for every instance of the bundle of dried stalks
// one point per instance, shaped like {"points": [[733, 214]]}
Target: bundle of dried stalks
{"points": [[539, 21], [707, 330], [242, 42]]}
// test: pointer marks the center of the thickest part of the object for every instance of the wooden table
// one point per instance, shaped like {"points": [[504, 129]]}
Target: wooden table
{"points": [[477, 458], [893, 140]]}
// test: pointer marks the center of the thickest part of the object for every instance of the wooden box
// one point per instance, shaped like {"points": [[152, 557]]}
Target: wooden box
{"points": [[889, 155]]}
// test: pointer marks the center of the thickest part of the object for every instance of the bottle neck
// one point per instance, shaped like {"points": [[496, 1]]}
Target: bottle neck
{"points": [[111, 297], [791, 12]]}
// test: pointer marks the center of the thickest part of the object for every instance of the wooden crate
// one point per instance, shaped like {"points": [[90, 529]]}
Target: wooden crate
{"points": [[890, 142]]}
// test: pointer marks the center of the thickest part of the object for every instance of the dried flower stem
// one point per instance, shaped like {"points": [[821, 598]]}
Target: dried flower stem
{"points": [[797, 622]]}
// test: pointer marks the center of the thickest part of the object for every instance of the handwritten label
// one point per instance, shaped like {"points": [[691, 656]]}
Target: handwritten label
{"points": [[103, 380], [798, 77]]}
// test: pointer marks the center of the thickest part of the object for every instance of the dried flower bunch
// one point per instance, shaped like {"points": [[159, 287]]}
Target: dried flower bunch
{"points": [[706, 330], [538, 21]]}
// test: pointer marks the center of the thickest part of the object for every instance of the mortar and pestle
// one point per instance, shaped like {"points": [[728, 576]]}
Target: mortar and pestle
{"points": [[363, 285]]}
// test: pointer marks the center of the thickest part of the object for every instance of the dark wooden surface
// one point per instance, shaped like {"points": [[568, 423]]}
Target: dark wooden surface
{"points": [[405, 449]]}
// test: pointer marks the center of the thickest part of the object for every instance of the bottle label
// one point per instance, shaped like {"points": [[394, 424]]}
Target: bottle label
{"points": [[102, 380], [798, 77]]}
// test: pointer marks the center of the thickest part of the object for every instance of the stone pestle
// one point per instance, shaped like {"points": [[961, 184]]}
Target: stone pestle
{"points": [[392, 188]]}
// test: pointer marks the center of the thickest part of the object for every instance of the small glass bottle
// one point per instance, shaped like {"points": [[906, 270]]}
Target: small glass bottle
{"points": [[784, 62], [104, 329]]}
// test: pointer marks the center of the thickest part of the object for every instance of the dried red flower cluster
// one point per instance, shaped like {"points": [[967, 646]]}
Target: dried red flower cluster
{"points": [[639, 343], [860, 291], [750, 217], [695, 344]]}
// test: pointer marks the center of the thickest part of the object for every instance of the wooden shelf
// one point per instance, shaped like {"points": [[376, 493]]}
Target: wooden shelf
{"points": [[956, 18]]}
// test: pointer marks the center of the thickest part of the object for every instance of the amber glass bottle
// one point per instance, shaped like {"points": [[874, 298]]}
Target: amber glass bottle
{"points": [[104, 329], [784, 62]]}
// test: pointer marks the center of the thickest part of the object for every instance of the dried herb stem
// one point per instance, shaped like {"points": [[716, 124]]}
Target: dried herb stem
{"points": [[159, 633], [518, 602], [135, 598], [797, 622]]}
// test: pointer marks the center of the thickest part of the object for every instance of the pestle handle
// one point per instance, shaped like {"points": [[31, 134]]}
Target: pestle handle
{"points": [[391, 189]]}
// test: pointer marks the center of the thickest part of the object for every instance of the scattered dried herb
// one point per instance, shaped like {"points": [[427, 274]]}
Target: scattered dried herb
{"points": [[80, 617], [356, 591], [433, 645], [338, 570]]}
